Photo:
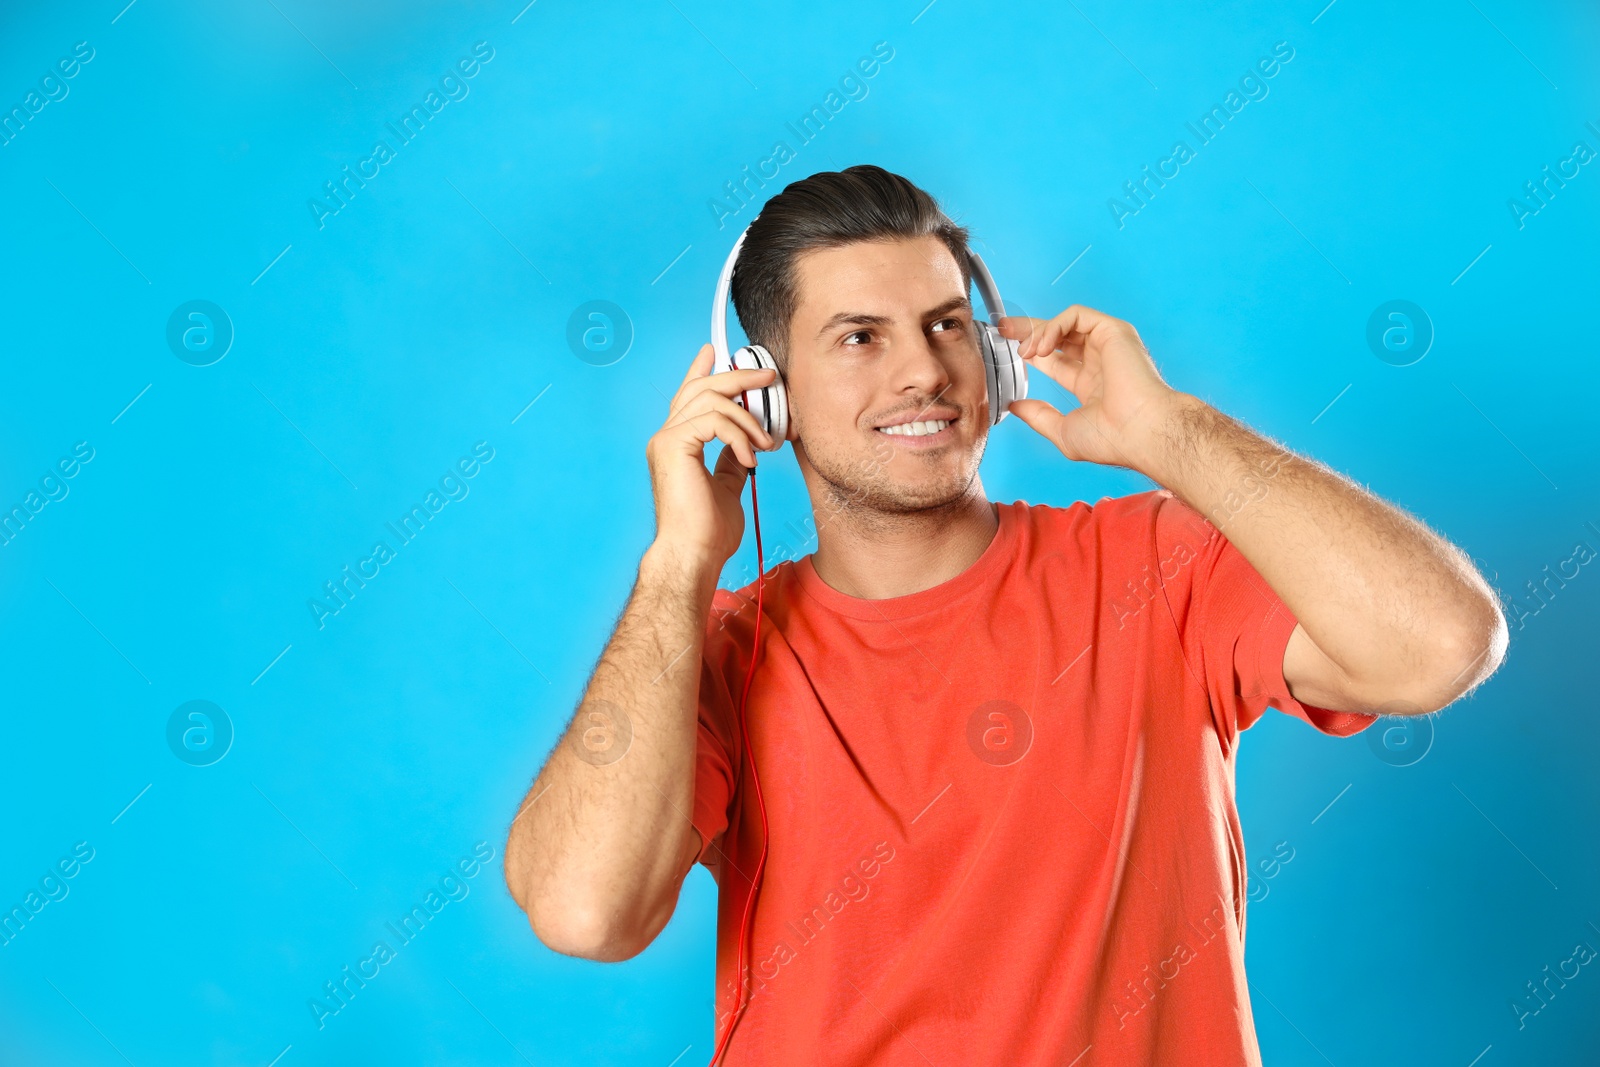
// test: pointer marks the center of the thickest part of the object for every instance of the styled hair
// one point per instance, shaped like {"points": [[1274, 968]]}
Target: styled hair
{"points": [[826, 210]]}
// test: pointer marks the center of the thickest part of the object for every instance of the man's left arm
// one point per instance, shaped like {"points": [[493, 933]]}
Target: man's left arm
{"points": [[1392, 617]]}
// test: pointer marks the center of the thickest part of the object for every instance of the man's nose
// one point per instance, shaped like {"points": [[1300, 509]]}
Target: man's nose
{"points": [[920, 368]]}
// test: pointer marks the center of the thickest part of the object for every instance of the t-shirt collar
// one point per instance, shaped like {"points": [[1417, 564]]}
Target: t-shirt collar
{"points": [[1001, 549]]}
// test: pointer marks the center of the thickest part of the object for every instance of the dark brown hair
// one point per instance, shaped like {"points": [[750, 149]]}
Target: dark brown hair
{"points": [[826, 210]]}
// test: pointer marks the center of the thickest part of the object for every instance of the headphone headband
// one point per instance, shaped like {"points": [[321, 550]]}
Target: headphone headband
{"points": [[719, 307], [987, 289]]}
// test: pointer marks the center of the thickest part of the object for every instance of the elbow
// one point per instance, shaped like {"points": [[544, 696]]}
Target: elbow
{"points": [[1478, 649], [575, 919], [1468, 655], [585, 908], [586, 932]]}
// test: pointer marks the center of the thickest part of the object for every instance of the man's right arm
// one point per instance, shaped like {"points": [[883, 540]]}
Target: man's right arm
{"points": [[603, 841], [601, 844]]}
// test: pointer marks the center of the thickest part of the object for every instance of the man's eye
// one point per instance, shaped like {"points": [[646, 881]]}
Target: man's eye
{"points": [[948, 325], [866, 334]]}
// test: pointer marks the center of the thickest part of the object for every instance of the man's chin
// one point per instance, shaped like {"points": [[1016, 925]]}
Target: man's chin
{"points": [[896, 481], [908, 495]]}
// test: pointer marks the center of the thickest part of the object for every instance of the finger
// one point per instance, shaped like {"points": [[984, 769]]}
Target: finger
{"points": [[1058, 355], [708, 403], [703, 402], [1054, 354], [730, 472], [1075, 319], [1042, 417], [1062, 367], [1052, 338], [733, 382], [1040, 341], [700, 365], [1020, 327], [727, 383], [704, 427]]}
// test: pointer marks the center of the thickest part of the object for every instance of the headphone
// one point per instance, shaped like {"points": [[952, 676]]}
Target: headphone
{"points": [[1007, 381], [1002, 358]]}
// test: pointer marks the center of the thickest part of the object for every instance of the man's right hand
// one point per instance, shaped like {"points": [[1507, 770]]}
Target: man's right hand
{"points": [[598, 851], [699, 515]]}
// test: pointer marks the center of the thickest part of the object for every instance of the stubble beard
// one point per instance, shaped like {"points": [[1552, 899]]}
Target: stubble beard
{"points": [[859, 490]]}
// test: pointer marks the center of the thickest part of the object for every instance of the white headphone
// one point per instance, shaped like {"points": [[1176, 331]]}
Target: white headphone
{"points": [[1002, 359]]}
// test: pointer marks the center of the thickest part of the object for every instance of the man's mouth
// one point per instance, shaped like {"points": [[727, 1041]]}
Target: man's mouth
{"points": [[924, 428]]}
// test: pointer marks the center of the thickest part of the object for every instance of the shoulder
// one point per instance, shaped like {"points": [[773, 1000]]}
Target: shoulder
{"points": [[1113, 533], [730, 625], [1151, 510], [1157, 513]]}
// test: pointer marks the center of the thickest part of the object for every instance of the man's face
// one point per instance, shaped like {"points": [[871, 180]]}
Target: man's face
{"points": [[883, 336]]}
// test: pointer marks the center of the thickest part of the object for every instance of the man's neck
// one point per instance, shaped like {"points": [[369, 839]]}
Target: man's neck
{"points": [[875, 555]]}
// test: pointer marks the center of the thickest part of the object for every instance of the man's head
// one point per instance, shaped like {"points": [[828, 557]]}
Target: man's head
{"points": [[857, 283]]}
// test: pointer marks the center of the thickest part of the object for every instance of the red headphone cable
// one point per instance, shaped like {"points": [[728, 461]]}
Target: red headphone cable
{"points": [[744, 733]]}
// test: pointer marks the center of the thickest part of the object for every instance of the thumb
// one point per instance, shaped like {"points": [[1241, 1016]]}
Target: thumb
{"points": [[730, 472], [1043, 417]]}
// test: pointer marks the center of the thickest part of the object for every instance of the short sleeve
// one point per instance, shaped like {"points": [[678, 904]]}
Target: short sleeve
{"points": [[1234, 629], [715, 738]]}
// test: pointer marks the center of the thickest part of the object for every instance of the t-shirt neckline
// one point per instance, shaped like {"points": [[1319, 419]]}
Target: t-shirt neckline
{"points": [[996, 553]]}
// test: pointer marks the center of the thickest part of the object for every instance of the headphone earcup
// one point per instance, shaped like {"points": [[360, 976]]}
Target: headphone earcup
{"points": [[1005, 369], [770, 403]]}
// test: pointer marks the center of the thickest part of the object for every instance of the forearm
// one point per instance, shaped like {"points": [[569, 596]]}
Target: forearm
{"points": [[1378, 592], [595, 853]]}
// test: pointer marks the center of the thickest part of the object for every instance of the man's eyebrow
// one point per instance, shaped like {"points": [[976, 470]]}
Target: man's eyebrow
{"points": [[862, 318]]}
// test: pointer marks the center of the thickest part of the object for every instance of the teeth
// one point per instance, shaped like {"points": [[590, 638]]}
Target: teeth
{"points": [[916, 429]]}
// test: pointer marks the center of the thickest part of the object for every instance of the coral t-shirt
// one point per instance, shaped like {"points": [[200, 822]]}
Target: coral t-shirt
{"points": [[1001, 815]]}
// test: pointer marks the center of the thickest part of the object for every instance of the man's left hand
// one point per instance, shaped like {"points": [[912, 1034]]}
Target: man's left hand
{"points": [[1101, 361]]}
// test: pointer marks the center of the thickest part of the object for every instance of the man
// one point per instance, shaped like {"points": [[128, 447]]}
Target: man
{"points": [[995, 742]]}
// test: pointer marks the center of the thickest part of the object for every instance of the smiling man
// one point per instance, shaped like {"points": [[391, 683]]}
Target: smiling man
{"points": [[996, 742]]}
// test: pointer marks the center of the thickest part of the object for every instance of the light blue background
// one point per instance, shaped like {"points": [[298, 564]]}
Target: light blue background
{"points": [[432, 310]]}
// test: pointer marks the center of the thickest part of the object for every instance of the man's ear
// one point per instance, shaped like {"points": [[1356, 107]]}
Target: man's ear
{"points": [[788, 391]]}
